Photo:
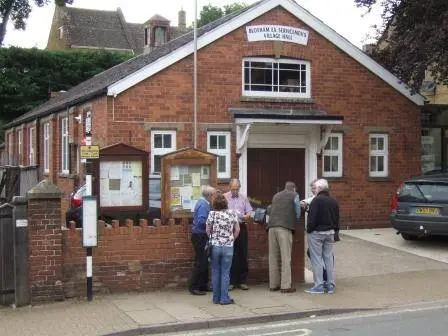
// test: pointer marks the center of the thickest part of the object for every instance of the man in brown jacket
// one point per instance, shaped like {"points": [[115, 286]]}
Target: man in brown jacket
{"points": [[284, 213]]}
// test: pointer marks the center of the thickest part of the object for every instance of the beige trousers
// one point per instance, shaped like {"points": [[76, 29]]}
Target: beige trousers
{"points": [[280, 248]]}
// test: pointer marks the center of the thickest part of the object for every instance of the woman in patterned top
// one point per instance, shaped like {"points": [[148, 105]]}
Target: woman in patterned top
{"points": [[222, 228]]}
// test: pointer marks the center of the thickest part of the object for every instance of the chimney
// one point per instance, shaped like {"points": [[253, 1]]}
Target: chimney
{"points": [[182, 22]]}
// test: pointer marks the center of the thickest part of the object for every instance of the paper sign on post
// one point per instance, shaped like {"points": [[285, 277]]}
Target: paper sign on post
{"points": [[89, 222]]}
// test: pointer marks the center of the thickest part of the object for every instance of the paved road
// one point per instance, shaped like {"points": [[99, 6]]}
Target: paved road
{"points": [[414, 320]]}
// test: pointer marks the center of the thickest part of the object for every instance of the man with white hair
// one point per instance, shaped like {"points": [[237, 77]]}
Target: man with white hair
{"points": [[323, 222], [198, 283]]}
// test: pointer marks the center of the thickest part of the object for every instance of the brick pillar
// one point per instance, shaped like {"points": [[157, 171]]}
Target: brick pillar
{"points": [[45, 242], [298, 253]]}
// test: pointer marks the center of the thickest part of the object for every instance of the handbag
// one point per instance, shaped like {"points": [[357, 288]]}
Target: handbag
{"points": [[208, 245], [208, 249]]}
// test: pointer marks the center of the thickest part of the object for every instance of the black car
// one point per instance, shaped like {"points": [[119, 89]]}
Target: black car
{"points": [[74, 213], [420, 207]]}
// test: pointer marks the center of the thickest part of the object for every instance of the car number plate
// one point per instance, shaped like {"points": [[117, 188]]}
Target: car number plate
{"points": [[427, 211]]}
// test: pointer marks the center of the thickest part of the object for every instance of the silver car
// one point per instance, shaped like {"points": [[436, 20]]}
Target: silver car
{"points": [[420, 207]]}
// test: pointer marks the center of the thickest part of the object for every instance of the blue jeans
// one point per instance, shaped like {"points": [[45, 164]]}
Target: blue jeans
{"points": [[221, 263]]}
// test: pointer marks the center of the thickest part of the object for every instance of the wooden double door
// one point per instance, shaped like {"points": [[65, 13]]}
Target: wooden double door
{"points": [[269, 168]]}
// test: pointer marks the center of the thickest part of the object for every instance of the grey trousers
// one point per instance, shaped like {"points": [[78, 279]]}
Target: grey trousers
{"points": [[280, 248], [321, 254]]}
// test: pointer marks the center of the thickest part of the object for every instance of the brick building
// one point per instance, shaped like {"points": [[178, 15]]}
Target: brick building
{"points": [[280, 96]]}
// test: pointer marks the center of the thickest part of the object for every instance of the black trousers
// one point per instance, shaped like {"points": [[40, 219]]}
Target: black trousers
{"points": [[240, 267], [199, 276]]}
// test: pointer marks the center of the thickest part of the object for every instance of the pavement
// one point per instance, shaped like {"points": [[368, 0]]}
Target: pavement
{"points": [[374, 269]]}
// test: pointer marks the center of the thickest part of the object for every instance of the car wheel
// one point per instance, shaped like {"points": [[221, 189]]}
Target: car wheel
{"points": [[407, 236]]}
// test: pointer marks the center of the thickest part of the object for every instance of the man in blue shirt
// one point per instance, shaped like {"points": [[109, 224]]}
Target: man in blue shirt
{"points": [[198, 283]]}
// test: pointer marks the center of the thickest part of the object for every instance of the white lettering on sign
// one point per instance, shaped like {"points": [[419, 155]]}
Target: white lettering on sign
{"points": [[277, 33], [21, 222]]}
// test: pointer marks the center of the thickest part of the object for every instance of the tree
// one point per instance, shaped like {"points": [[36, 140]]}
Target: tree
{"points": [[18, 11], [28, 75], [412, 39], [211, 13]]}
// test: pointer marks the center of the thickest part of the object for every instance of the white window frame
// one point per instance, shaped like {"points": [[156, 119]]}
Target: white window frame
{"points": [[304, 95], [161, 151], [47, 148], [384, 153], [20, 145], [64, 146], [31, 147], [332, 152], [221, 152]]}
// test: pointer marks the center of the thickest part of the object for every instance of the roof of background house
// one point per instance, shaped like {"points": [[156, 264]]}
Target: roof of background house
{"points": [[99, 84], [101, 29]]}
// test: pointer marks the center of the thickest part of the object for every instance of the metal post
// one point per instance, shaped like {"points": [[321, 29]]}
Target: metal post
{"points": [[195, 77], [89, 267]]}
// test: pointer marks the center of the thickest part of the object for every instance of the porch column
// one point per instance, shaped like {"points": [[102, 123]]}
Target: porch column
{"points": [[242, 135]]}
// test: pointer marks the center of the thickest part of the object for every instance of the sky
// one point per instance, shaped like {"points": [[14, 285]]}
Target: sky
{"points": [[341, 15]]}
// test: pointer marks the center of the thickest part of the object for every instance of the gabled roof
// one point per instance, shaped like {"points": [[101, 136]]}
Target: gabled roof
{"points": [[101, 29], [127, 74]]}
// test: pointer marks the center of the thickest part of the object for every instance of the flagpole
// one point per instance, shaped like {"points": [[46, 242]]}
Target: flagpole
{"points": [[195, 77]]}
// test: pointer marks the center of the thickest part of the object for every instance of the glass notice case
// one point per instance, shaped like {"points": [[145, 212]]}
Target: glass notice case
{"points": [[184, 172]]}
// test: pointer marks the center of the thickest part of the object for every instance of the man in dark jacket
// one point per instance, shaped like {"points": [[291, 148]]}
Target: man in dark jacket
{"points": [[284, 213], [323, 223], [198, 283]]}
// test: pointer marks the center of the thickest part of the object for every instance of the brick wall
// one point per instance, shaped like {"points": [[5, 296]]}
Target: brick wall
{"points": [[141, 257]]}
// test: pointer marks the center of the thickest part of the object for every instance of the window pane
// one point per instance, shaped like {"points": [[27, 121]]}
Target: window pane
{"points": [[334, 143], [157, 164], [327, 160], [213, 142], [381, 143], [261, 87], [221, 164], [289, 66], [263, 65], [373, 163], [157, 140], [222, 142], [334, 163], [380, 163], [246, 76], [373, 144], [167, 141], [159, 35], [261, 76]]}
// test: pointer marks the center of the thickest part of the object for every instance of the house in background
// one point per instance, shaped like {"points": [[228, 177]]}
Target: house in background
{"points": [[79, 28], [434, 126], [434, 115], [281, 96]]}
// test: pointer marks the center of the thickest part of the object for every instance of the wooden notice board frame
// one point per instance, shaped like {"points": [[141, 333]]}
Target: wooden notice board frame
{"points": [[184, 172]]}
